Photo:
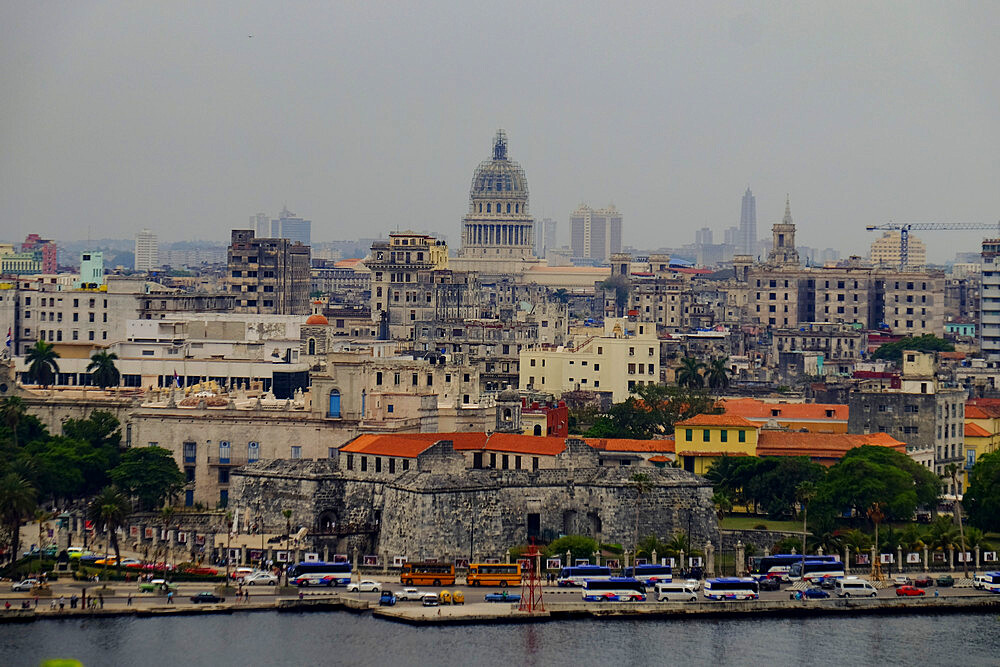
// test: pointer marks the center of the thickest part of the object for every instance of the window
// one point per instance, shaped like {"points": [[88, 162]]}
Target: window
{"points": [[724, 435], [189, 474], [223, 475], [378, 464], [392, 466], [253, 452], [706, 435], [743, 435], [190, 452], [389, 408], [350, 461], [296, 452], [364, 464], [223, 497], [406, 464], [224, 450], [688, 435]]}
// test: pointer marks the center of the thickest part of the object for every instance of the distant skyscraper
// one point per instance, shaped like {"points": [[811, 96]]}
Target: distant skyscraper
{"points": [[748, 224], [287, 226], [147, 254], [595, 234], [261, 224], [703, 236], [545, 236]]}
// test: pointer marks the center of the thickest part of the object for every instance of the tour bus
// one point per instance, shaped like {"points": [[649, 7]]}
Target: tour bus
{"points": [[428, 574], [674, 591], [575, 576], [649, 574], [762, 566], [815, 570], [340, 572], [732, 588], [493, 574], [614, 589], [989, 581]]}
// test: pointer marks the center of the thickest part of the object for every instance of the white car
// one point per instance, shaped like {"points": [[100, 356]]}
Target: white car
{"points": [[364, 586], [260, 579], [24, 586], [409, 594], [693, 583]]}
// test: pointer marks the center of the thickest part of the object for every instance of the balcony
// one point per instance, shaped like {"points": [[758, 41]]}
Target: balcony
{"points": [[216, 461]]}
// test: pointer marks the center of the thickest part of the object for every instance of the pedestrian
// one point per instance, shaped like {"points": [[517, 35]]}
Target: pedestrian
{"points": [[72, 601], [36, 602], [62, 602], [6, 605], [170, 597], [301, 595], [101, 598], [129, 603], [52, 604]]}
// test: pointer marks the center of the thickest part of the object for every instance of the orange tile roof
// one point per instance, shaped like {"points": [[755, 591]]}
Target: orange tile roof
{"points": [[976, 431], [717, 420], [820, 445], [408, 445], [349, 263], [752, 408], [979, 410], [659, 459], [625, 445], [517, 443]]}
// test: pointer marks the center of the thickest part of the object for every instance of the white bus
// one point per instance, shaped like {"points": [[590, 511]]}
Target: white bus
{"points": [[814, 570], [732, 588], [615, 589], [576, 576], [989, 581]]}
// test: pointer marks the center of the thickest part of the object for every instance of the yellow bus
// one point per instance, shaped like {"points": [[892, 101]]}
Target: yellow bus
{"points": [[494, 574], [428, 574]]}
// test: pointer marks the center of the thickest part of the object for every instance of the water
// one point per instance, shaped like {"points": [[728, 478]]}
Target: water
{"points": [[341, 638]]}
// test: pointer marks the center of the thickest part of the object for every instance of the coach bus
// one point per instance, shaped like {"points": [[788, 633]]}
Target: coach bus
{"points": [[493, 574], [428, 574], [650, 574], [813, 569], [575, 576], [777, 564], [340, 572], [614, 589], [732, 588]]}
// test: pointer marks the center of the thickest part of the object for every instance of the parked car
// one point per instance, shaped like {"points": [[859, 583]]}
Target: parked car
{"points": [[129, 562], [109, 560], [206, 596], [946, 580], [260, 579], [923, 581], [241, 572], [770, 584], [208, 571], [409, 594], [157, 585], [909, 591], [901, 580], [503, 597], [444, 597], [387, 599], [827, 583], [809, 594], [24, 586], [364, 586], [430, 600], [457, 597]]}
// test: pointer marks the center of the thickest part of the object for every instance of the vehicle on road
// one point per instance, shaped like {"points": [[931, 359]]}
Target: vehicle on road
{"points": [[457, 597], [410, 594], [157, 585], [615, 589], [901, 580], [387, 599], [493, 574], [814, 570], [260, 579], [339, 572], [241, 572], [923, 581], [650, 574], [827, 583], [809, 594], [732, 588], [770, 584], [76, 553], [430, 600], [108, 560], [909, 591], [779, 564], [364, 586], [502, 597], [444, 597], [678, 591], [207, 571], [208, 597], [946, 580], [24, 586], [990, 581], [313, 580], [427, 574], [855, 587], [576, 576]]}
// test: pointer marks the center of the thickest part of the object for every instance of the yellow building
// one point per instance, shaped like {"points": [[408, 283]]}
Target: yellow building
{"points": [[982, 433], [702, 439], [885, 251]]}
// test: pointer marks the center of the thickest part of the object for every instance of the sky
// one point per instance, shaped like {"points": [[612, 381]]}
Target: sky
{"points": [[366, 117]]}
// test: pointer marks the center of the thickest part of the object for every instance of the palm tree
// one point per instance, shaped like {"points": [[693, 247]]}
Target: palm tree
{"points": [[102, 369], [723, 504], [12, 410], [17, 501], [42, 366], [166, 516], [642, 483], [974, 537], [288, 534], [951, 472], [941, 535], [913, 538], [857, 540], [804, 493], [718, 373], [561, 295], [689, 374], [111, 508]]}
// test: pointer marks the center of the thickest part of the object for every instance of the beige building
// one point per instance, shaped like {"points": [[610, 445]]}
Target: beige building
{"points": [[625, 356], [885, 251]]}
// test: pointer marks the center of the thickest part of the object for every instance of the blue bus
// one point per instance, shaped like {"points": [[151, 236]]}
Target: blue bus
{"points": [[650, 574], [814, 570], [732, 588], [576, 576], [779, 564], [341, 572], [614, 589]]}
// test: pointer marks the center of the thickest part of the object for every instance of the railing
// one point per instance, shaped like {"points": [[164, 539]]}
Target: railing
{"points": [[228, 460]]}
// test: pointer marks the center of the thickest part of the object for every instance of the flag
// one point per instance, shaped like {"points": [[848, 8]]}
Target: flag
{"points": [[177, 380]]}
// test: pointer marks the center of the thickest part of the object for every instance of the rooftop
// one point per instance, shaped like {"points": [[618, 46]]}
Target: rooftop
{"points": [[718, 420], [752, 408]]}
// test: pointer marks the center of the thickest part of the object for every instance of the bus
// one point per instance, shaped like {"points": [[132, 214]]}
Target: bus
{"points": [[813, 570], [762, 566], [614, 589], [650, 574], [493, 574], [341, 572], [989, 581], [575, 576], [732, 588], [428, 574]]}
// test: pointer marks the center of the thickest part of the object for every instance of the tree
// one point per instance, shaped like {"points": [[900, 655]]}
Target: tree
{"points": [[723, 504], [579, 547], [561, 295], [42, 366], [288, 535], [942, 535], [982, 498], [951, 473], [149, 474], [110, 508], [925, 343], [857, 540], [717, 373], [870, 474], [17, 501], [689, 374], [12, 411], [166, 516], [102, 369], [651, 412], [977, 538], [620, 285]]}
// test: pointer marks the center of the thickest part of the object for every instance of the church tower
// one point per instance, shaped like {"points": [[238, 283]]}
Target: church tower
{"points": [[508, 411], [783, 252]]}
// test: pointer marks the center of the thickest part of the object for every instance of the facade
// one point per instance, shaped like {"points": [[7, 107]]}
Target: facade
{"points": [[91, 270], [989, 330], [268, 276], [886, 251], [46, 248], [982, 433], [748, 225], [595, 234], [811, 417], [147, 252], [545, 236], [291, 227]]}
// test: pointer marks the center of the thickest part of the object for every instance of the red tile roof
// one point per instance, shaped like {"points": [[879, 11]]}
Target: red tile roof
{"points": [[659, 459], [717, 420], [408, 445], [978, 410], [831, 446], [752, 408], [976, 431], [516, 443], [625, 445]]}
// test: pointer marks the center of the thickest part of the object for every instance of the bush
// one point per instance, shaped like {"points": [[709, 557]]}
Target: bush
{"points": [[579, 546]]}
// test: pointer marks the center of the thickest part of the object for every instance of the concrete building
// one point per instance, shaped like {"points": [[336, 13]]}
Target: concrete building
{"points": [[91, 270], [886, 251], [47, 252], [147, 252], [595, 234], [989, 329], [748, 225], [545, 236], [268, 275], [291, 227]]}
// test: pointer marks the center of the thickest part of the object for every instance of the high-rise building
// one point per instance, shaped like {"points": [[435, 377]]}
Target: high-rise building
{"points": [[261, 224], [46, 250], [290, 227], [545, 236], [147, 253], [703, 236], [748, 224], [989, 330], [268, 276], [887, 251], [595, 234]]}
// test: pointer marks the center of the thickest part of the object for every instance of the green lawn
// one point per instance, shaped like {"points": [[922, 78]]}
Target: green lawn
{"points": [[738, 522]]}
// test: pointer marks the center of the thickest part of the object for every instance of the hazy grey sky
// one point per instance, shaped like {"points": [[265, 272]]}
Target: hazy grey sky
{"points": [[369, 116]]}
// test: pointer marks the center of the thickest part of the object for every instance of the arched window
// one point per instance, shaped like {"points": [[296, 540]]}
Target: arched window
{"points": [[506, 413], [334, 403], [537, 430], [312, 346], [253, 452], [487, 207], [480, 207], [508, 208]]}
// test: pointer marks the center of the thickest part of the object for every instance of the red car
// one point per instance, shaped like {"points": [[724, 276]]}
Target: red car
{"points": [[923, 581], [909, 590], [211, 571]]}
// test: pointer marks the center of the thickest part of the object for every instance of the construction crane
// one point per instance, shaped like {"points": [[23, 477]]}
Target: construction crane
{"points": [[905, 227]]}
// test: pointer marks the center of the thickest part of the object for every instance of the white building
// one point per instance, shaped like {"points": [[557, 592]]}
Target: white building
{"points": [[595, 234], [147, 254], [989, 341]]}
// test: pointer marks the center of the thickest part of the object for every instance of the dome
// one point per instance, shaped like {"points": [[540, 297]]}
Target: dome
{"points": [[317, 319], [509, 395], [501, 176]]}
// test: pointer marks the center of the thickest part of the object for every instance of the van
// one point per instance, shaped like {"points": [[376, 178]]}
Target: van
{"points": [[854, 587], [679, 591]]}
